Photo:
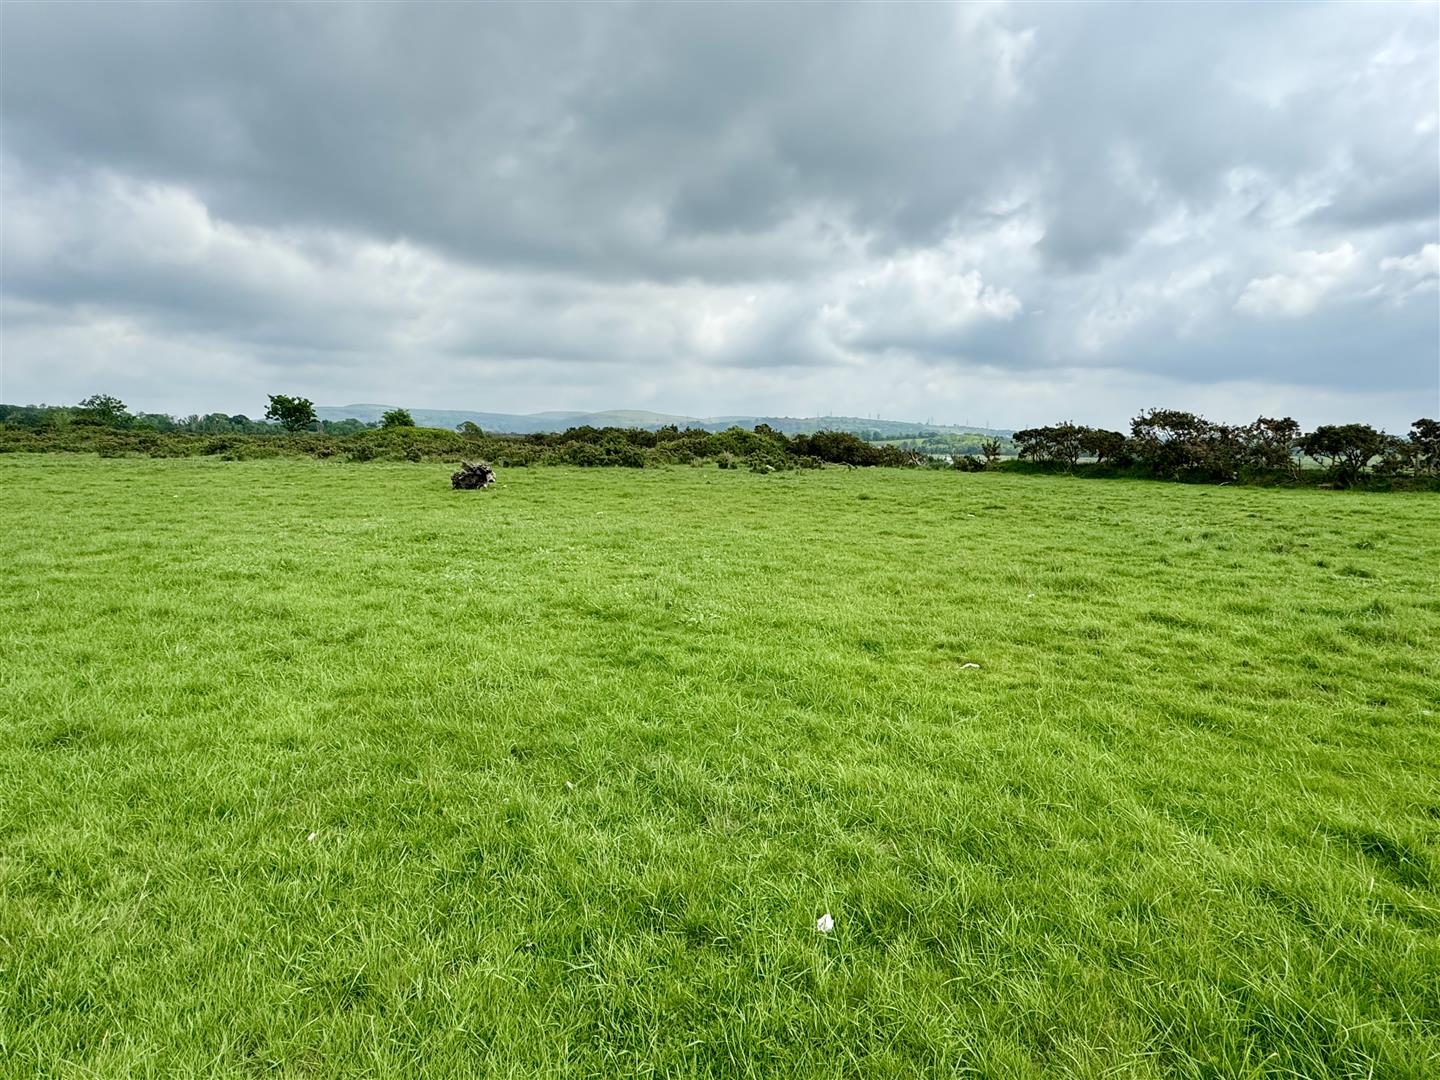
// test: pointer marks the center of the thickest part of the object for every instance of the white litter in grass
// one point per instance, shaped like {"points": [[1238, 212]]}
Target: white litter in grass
{"points": [[825, 923], [310, 837], [569, 785], [964, 666]]}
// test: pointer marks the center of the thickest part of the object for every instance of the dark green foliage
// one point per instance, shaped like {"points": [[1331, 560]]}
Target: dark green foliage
{"points": [[843, 448], [291, 413], [1424, 443], [1104, 446], [1167, 444], [1059, 445], [102, 409], [1063, 445], [39, 428], [1177, 445], [1346, 449], [1171, 444], [944, 444], [29, 417], [1269, 445], [344, 427]]}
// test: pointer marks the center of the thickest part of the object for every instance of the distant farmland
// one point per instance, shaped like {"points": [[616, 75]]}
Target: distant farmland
{"points": [[326, 770]]}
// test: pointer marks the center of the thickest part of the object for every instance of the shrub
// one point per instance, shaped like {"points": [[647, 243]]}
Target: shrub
{"points": [[1179, 445], [1058, 445], [1345, 449], [585, 454], [362, 451], [629, 457], [1425, 445]]}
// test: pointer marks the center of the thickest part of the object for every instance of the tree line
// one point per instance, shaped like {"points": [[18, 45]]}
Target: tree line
{"points": [[1162, 443], [1173, 445], [103, 424], [106, 411]]}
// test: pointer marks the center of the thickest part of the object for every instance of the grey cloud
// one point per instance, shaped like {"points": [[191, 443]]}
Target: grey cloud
{"points": [[1411, 195], [542, 135], [613, 184]]}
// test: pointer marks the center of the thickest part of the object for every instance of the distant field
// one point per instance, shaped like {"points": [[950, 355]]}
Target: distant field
{"points": [[318, 769]]}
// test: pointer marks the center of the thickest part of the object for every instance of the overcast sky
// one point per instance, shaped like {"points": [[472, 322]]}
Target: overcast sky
{"points": [[1008, 214]]}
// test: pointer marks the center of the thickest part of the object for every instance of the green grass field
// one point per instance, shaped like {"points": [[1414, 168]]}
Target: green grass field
{"points": [[311, 769]]}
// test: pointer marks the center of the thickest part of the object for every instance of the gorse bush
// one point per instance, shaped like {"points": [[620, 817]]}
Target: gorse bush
{"points": [[103, 426], [1167, 444], [1170, 444]]}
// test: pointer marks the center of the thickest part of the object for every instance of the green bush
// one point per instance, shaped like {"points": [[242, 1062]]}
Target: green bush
{"points": [[363, 451], [586, 455], [628, 457]]}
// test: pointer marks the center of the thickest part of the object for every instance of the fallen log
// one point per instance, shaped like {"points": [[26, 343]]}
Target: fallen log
{"points": [[472, 475]]}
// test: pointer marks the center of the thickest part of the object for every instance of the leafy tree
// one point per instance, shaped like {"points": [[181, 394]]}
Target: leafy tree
{"points": [[1057, 444], [991, 449], [291, 413], [153, 422], [469, 429], [1102, 445], [1399, 457], [349, 426], [32, 417], [397, 418], [1425, 441], [1346, 449], [1268, 445], [1176, 444], [104, 409]]}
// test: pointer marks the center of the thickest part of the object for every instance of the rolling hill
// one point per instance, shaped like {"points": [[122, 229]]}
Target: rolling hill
{"points": [[520, 424]]}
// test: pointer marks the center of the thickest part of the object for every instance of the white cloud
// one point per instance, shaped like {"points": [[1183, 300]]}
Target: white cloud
{"points": [[1423, 263], [1313, 275], [920, 302]]}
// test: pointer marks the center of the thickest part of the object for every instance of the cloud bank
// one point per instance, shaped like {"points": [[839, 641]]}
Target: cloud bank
{"points": [[975, 213]]}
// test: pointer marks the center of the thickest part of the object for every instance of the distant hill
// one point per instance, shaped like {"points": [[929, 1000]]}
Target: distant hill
{"points": [[518, 424]]}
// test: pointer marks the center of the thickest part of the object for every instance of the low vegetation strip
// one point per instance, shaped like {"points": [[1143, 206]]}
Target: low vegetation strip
{"points": [[760, 450], [1165, 444], [324, 771]]}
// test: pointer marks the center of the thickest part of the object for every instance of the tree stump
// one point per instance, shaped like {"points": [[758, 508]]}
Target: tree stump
{"points": [[472, 475]]}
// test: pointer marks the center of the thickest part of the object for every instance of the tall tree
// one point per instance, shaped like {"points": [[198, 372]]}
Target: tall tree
{"points": [[291, 413], [1425, 439], [104, 409]]}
